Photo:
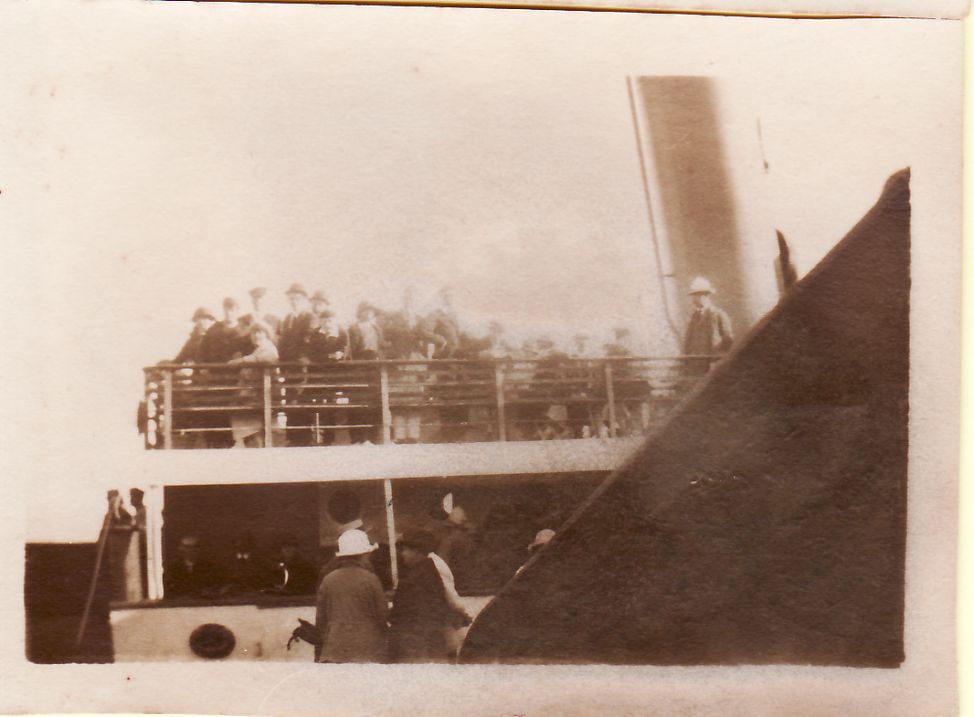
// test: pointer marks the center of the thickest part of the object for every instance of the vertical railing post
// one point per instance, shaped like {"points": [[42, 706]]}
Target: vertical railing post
{"points": [[501, 410], [611, 395], [391, 529], [167, 404], [267, 404], [153, 540], [386, 409]]}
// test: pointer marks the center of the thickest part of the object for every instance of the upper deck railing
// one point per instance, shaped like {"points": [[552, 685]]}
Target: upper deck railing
{"points": [[414, 401]]}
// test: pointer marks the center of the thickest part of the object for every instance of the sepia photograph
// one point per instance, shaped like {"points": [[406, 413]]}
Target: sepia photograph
{"points": [[475, 352]]}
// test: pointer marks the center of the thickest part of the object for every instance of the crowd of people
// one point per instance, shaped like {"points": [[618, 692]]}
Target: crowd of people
{"points": [[311, 333], [355, 621]]}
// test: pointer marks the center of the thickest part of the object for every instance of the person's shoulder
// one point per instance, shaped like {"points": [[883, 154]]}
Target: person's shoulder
{"points": [[335, 575]]}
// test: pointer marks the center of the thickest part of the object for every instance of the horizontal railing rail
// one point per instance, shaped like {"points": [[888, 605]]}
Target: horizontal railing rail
{"points": [[411, 400]]}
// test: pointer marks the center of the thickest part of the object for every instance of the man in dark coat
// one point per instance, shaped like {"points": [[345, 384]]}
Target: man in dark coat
{"points": [[421, 616], [191, 575], [293, 345], [246, 574], [203, 320], [327, 340], [709, 332], [225, 339], [295, 575], [454, 539], [295, 329], [443, 322]]}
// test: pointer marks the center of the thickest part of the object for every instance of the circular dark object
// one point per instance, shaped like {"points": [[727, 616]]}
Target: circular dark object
{"points": [[212, 641], [344, 506]]}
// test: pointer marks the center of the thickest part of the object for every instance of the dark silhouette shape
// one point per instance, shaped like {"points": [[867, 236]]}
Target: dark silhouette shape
{"points": [[765, 522]]}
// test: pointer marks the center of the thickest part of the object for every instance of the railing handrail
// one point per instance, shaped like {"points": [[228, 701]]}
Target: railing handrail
{"points": [[491, 361], [507, 397]]}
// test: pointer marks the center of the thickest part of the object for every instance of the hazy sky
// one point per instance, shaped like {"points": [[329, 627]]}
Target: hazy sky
{"points": [[167, 155]]}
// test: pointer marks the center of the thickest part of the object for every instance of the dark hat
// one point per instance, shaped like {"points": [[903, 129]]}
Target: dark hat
{"points": [[296, 289], [320, 296], [258, 291], [421, 540], [202, 313], [230, 303]]}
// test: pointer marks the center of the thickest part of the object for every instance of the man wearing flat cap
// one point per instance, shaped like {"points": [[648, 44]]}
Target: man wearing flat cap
{"points": [[226, 339], [328, 340], [202, 321], [295, 329]]}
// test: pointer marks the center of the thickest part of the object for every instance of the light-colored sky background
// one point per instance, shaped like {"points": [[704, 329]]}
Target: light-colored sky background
{"points": [[220, 147]]}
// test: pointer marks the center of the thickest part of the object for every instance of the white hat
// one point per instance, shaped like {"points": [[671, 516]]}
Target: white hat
{"points": [[700, 286], [354, 542]]}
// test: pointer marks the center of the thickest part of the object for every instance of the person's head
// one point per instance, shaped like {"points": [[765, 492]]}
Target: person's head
{"points": [[327, 321], [353, 543], [298, 298], [365, 312], [203, 319], [231, 310], [257, 295], [700, 292], [495, 330], [446, 296], [136, 497], [320, 304], [621, 333], [580, 342], [416, 545], [260, 334], [189, 547]]}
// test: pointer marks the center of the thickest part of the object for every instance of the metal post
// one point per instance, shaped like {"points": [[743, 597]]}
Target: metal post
{"points": [[268, 411], [386, 415], [167, 408], [501, 414], [391, 529], [610, 392], [153, 533], [96, 574]]}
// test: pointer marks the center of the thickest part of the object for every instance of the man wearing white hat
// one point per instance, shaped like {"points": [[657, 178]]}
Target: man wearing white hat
{"points": [[352, 608], [709, 332]]}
